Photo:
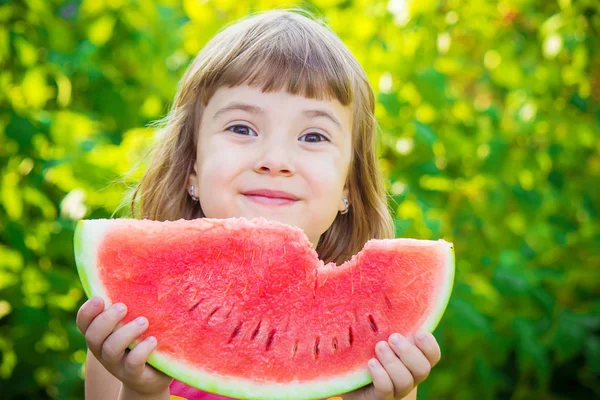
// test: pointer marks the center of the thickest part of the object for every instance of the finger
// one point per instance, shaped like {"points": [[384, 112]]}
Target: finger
{"points": [[113, 348], [87, 312], [135, 360], [382, 384], [102, 326], [410, 355], [402, 379], [429, 346]]}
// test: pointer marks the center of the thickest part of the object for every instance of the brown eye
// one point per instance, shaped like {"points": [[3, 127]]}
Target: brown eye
{"points": [[243, 130], [314, 138]]}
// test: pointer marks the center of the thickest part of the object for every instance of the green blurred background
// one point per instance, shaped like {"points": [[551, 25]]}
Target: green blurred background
{"points": [[490, 119]]}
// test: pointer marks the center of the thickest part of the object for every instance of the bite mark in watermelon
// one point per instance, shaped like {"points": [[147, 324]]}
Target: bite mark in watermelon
{"points": [[245, 308]]}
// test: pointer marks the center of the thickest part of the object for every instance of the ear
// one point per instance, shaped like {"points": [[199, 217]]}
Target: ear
{"points": [[193, 178], [345, 195]]}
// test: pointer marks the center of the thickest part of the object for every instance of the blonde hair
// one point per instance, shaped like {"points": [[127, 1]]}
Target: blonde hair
{"points": [[275, 50]]}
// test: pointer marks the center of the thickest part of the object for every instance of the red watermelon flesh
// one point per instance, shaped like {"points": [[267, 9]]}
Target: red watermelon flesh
{"points": [[246, 309]]}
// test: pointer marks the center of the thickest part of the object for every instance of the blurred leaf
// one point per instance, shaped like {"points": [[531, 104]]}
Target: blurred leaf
{"points": [[390, 102], [510, 277], [592, 353], [496, 155], [432, 84], [470, 318], [21, 130], [424, 133], [531, 350], [572, 331]]}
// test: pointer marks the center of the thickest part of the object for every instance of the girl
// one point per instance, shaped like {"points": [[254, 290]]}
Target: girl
{"points": [[273, 118]]}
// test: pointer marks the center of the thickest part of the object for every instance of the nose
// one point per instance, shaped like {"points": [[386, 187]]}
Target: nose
{"points": [[274, 158]]}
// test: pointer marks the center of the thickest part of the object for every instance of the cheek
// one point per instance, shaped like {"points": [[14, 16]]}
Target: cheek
{"points": [[217, 170], [327, 175], [219, 160]]}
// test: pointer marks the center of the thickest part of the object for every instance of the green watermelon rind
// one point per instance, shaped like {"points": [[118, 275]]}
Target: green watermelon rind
{"points": [[248, 389], [92, 233], [444, 298], [85, 260]]}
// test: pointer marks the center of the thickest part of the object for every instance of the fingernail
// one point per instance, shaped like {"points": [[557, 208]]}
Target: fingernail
{"points": [[119, 307], [95, 301], [141, 321], [372, 363], [396, 339], [383, 347], [421, 335], [151, 340]]}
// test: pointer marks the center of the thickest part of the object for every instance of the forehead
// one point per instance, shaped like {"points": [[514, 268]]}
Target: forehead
{"points": [[275, 101]]}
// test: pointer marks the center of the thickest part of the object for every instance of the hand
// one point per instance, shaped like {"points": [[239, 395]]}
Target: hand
{"points": [[109, 343], [400, 367]]}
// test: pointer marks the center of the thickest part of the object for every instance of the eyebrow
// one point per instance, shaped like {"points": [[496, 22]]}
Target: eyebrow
{"points": [[313, 113]]}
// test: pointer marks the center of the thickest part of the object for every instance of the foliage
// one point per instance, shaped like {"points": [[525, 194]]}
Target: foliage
{"points": [[489, 114]]}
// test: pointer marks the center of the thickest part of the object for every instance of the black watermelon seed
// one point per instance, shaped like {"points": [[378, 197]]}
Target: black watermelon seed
{"points": [[270, 339], [256, 330], [235, 332], [373, 324]]}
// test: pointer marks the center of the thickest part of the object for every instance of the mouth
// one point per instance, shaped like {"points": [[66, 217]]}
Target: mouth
{"points": [[271, 197]]}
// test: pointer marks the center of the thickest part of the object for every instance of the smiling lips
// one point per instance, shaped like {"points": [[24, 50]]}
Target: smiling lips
{"points": [[271, 197]]}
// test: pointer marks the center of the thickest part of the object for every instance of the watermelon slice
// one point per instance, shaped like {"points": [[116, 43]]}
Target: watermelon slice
{"points": [[245, 308]]}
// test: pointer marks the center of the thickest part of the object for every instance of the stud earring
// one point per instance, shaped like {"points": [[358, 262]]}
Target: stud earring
{"points": [[192, 193], [347, 205]]}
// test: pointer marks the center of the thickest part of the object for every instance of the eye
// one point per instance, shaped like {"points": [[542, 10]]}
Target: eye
{"points": [[314, 137], [243, 131]]}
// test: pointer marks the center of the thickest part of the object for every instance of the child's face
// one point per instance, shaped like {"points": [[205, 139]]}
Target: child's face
{"points": [[276, 162]]}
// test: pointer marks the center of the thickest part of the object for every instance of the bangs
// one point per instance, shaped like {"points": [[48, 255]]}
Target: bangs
{"points": [[282, 54]]}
